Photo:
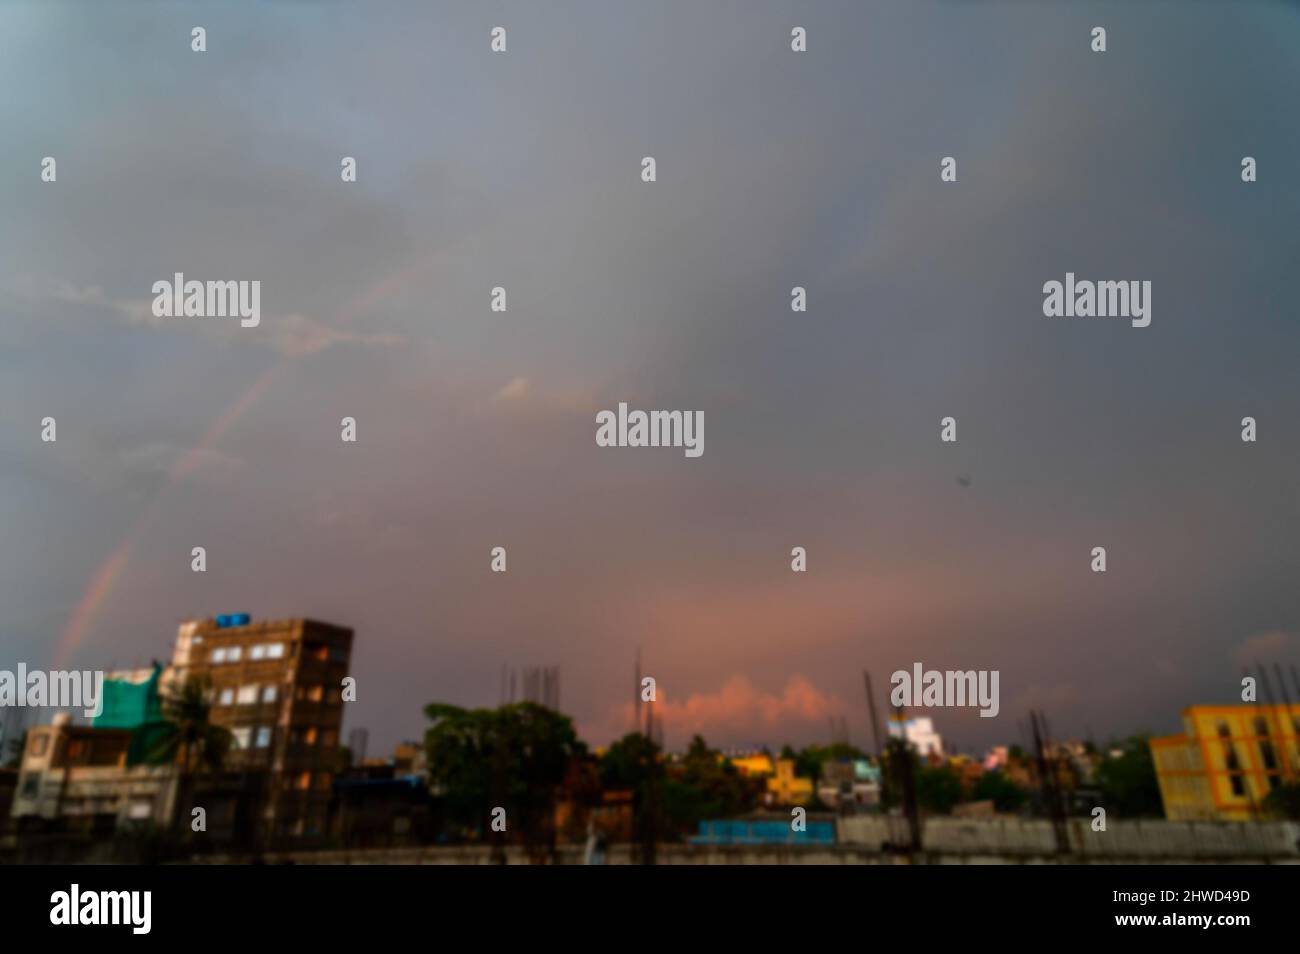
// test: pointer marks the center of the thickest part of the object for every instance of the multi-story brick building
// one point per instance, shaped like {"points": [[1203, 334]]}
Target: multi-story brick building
{"points": [[278, 686]]}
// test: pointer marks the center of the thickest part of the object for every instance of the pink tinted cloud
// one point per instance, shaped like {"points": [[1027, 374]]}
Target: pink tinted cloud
{"points": [[739, 706], [1273, 646]]}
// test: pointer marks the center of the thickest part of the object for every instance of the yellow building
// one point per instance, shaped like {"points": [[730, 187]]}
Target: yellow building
{"points": [[1227, 760], [759, 763], [786, 788]]}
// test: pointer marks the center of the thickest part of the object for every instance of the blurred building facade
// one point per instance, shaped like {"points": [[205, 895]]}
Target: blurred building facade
{"points": [[787, 788], [277, 685], [849, 785], [1226, 760], [756, 764], [919, 732]]}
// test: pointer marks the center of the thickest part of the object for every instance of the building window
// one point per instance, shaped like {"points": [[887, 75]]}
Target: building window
{"points": [[40, 744], [240, 737], [257, 652], [275, 650], [1261, 725], [268, 693], [226, 698], [304, 781], [31, 785], [1238, 786], [309, 736], [1231, 760], [247, 695], [1223, 731], [1269, 756], [315, 693], [232, 654], [218, 655], [263, 739], [338, 654], [329, 739]]}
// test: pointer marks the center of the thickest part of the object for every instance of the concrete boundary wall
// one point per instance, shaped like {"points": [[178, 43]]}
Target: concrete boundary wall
{"points": [[864, 840], [1153, 840]]}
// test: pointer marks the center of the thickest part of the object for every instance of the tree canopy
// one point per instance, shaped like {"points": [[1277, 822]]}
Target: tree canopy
{"points": [[514, 757]]}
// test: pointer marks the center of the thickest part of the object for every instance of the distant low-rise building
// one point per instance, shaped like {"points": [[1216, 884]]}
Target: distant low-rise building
{"points": [[83, 781], [756, 764], [968, 770], [995, 758], [918, 732], [376, 807], [787, 788], [81, 776], [849, 785]]}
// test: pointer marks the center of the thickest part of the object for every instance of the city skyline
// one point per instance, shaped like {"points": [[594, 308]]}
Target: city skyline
{"points": [[477, 429]]}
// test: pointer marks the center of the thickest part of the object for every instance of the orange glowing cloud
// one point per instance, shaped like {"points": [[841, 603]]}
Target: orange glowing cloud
{"points": [[740, 706]]}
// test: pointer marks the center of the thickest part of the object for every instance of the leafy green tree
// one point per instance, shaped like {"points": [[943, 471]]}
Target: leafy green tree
{"points": [[938, 788], [188, 738], [1284, 802], [703, 785], [1005, 794], [633, 763], [630, 762], [514, 757], [1128, 782]]}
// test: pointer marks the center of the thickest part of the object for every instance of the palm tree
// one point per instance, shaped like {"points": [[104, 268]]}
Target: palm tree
{"points": [[188, 738]]}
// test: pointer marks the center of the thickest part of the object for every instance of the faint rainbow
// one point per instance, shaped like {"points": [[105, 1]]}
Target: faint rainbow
{"points": [[109, 571]]}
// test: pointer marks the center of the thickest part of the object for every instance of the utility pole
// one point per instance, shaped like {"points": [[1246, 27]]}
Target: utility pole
{"points": [[871, 707], [636, 693], [901, 757], [1048, 782]]}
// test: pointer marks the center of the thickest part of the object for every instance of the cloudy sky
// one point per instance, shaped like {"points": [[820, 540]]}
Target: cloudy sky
{"points": [[476, 429]]}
